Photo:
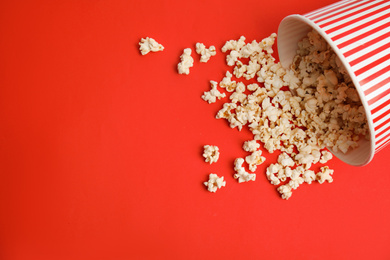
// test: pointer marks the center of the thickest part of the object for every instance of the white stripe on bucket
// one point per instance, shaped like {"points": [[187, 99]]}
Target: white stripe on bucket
{"points": [[366, 51], [331, 14], [350, 18], [365, 40]]}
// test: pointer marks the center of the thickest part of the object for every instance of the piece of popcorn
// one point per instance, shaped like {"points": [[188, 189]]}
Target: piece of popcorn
{"points": [[214, 183], [226, 111], [309, 176], [267, 43], [234, 45], [149, 45], [271, 171], [285, 191], [326, 156], [186, 62], [296, 177], [285, 160], [232, 58], [211, 153], [227, 82], [214, 94], [241, 175], [325, 174], [239, 69], [254, 160], [251, 146], [252, 87], [205, 53]]}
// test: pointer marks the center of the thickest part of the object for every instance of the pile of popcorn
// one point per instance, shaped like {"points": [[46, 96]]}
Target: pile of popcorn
{"points": [[296, 111]]}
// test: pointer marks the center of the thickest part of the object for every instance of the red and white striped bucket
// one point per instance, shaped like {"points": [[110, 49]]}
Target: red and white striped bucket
{"points": [[359, 33]]}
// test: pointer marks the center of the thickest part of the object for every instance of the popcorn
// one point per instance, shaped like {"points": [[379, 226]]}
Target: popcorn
{"points": [[186, 62], [309, 176], [271, 171], [228, 83], [214, 183], [211, 153], [296, 178], [214, 94], [241, 174], [234, 45], [285, 160], [321, 108], [254, 160], [267, 43], [204, 52], [326, 156], [251, 146], [285, 191], [149, 45], [232, 58], [325, 175]]}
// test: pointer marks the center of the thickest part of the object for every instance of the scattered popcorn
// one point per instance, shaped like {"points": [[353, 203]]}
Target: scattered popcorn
{"points": [[149, 45], [186, 62], [214, 183], [297, 111], [325, 175], [214, 94], [204, 52], [211, 153]]}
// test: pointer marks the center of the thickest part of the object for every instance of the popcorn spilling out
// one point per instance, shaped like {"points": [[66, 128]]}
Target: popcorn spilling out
{"points": [[296, 111], [204, 52], [149, 45], [186, 62], [211, 153], [214, 183]]}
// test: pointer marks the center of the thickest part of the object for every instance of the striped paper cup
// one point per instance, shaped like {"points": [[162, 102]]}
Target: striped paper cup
{"points": [[359, 33]]}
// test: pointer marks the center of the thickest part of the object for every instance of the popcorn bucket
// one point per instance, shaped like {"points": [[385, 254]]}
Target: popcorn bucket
{"points": [[359, 33]]}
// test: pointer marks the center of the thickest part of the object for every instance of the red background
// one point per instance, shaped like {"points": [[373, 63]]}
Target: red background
{"points": [[101, 148]]}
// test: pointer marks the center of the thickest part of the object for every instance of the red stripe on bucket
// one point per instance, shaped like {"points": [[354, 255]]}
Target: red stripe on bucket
{"points": [[357, 28], [325, 14], [379, 117], [377, 86], [378, 127], [378, 97], [374, 75], [356, 19], [363, 35], [372, 65], [370, 54], [381, 146], [385, 131], [369, 43], [329, 7], [342, 11], [387, 136]]}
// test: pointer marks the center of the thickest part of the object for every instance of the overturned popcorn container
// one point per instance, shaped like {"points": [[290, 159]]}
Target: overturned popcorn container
{"points": [[359, 33]]}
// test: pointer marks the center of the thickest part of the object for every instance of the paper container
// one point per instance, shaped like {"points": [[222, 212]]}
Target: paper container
{"points": [[359, 33]]}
